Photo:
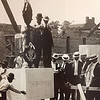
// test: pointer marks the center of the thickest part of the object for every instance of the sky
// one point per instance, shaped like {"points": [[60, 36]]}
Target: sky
{"points": [[72, 10]]}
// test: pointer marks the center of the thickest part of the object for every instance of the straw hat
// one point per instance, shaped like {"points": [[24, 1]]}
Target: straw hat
{"points": [[65, 57], [76, 54]]}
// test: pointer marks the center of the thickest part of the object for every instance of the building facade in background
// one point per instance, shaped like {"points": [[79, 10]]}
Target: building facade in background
{"points": [[68, 41], [9, 41]]}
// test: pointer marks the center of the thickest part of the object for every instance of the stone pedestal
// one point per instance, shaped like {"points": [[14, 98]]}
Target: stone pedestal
{"points": [[37, 82]]}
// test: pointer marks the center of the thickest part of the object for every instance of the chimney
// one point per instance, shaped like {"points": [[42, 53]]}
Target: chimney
{"points": [[87, 19], [93, 19]]}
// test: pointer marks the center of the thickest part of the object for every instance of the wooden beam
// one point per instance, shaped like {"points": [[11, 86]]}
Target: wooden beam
{"points": [[10, 15], [81, 92], [89, 89]]}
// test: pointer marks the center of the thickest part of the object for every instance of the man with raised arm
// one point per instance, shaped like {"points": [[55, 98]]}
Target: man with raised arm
{"points": [[5, 84]]}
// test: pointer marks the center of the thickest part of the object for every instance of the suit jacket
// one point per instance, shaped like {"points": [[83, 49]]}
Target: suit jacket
{"points": [[76, 78], [80, 65], [96, 78], [37, 36], [47, 37], [69, 72]]}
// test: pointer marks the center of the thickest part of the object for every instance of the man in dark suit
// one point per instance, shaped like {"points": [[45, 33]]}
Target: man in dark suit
{"points": [[77, 68], [83, 59], [93, 78], [47, 43], [67, 78], [77, 65], [37, 39]]}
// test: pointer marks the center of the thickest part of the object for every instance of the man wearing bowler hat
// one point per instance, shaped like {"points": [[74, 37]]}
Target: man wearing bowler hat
{"points": [[37, 38]]}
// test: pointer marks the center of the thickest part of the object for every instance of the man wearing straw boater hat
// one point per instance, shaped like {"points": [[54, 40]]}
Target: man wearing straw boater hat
{"points": [[68, 77], [77, 68], [93, 78]]}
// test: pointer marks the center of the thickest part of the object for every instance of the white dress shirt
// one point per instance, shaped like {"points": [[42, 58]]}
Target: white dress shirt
{"points": [[90, 74], [76, 67]]}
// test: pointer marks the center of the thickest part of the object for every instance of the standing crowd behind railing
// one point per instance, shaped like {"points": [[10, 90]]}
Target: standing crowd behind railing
{"points": [[69, 72]]}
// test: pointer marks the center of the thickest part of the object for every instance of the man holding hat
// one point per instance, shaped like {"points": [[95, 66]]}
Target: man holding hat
{"points": [[93, 78], [47, 43]]}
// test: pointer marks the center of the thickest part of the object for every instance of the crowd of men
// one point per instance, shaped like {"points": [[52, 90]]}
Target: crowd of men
{"points": [[38, 41], [68, 71], [79, 69]]}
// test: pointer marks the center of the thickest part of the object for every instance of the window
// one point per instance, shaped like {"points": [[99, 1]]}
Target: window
{"points": [[84, 41]]}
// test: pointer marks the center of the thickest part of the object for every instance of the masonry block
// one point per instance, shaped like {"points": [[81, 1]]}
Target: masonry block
{"points": [[90, 50], [37, 82]]}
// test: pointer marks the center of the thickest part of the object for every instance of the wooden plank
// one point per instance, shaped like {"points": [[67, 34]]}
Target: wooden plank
{"points": [[81, 92], [89, 89]]}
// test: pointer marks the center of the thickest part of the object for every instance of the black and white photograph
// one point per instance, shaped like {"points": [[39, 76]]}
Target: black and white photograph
{"points": [[50, 50]]}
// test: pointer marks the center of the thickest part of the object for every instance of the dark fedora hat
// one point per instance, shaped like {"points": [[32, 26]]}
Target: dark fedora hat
{"points": [[39, 15]]}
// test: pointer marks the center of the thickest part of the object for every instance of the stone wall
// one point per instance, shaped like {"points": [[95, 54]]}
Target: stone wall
{"points": [[76, 39]]}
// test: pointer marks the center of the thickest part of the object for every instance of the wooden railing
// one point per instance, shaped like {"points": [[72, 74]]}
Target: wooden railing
{"points": [[81, 90]]}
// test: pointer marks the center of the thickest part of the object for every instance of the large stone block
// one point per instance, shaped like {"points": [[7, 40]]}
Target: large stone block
{"points": [[37, 82], [90, 50]]}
